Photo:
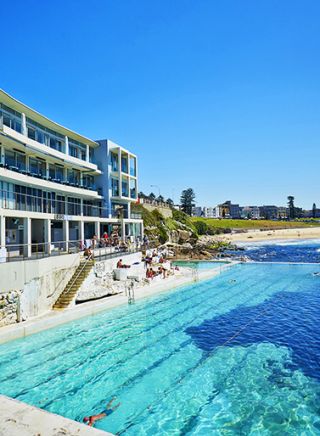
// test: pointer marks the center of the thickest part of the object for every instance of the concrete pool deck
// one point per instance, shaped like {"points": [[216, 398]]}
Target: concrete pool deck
{"points": [[55, 318], [21, 419]]}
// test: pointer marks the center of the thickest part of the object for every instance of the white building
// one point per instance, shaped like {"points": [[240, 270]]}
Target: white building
{"points": [[250, 212], [227, 210], [53, 194], [197, 211], [209, 212]]}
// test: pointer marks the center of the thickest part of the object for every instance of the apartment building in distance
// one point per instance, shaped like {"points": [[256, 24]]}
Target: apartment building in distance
{"points": [[57, 187], [250, 212], [227, 210]]}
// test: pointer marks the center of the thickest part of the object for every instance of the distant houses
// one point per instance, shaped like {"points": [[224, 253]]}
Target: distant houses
{"points": [[230, 210]]}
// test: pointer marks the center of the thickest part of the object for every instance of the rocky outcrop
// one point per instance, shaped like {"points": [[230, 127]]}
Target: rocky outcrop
{"points": [[9, 308]]}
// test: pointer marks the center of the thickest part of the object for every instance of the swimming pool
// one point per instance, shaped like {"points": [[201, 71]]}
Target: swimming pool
{"points": [[173, 364]]}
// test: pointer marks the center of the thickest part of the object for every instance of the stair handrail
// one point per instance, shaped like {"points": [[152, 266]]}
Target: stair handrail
{"points": [[71, 266], [75, 278]]}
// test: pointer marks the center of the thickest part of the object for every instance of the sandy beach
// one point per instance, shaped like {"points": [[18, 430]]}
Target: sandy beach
{"points": [[266, 235]]}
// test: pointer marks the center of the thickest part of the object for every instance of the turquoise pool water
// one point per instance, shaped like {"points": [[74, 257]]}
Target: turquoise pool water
{"points": [[199, 265], [235, 355]]}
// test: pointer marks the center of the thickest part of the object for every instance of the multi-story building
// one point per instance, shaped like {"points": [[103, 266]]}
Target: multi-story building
{"points": [[53, 194], [209, 212], [268, 212], [197, 211], [250, 212], [282, 212], [227, 210]]}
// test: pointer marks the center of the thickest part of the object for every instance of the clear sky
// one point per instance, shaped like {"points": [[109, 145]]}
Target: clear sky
{"points": [[221, 96]]}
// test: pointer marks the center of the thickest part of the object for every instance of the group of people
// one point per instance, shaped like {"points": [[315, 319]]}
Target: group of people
{"points": [[158, 259], [161, 271]]}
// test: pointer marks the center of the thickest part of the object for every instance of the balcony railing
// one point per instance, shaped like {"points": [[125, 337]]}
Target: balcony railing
{"points": [[101, 249], [22, 170], [22, 201]]}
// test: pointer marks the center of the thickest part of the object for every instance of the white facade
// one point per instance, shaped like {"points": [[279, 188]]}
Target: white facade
{"points": [[197, 211], [250, 212], [209, 212], [53, 195]]}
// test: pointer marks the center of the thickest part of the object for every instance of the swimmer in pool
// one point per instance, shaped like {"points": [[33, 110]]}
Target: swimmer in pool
{"points": [[90, 420]]}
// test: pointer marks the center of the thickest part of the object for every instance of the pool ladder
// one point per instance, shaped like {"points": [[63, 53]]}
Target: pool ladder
{"points": [[130, 292]]}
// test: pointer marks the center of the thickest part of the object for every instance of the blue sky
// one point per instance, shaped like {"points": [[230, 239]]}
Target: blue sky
{"points": [[222, 96]]}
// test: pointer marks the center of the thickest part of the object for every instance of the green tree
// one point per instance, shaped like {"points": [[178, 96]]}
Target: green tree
{"points": [[187, 200], [151, 196], [314, 210], [169, 201], [160, 199], [291, 207]]}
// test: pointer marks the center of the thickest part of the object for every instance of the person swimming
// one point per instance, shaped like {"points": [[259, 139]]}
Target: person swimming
{"points": [[90, 420]]}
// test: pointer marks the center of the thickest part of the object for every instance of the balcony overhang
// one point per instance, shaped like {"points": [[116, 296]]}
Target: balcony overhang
{"points": [[15, 104], [23, 143]]}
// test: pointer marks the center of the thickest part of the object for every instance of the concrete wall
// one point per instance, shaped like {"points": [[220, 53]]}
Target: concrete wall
{"points": [[30, 288], [99, 284], [165, 211]]}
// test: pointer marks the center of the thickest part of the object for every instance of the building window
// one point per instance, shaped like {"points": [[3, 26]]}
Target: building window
{"points": [[125, 188], [31, 133], [133, 166], [10, 118], [15, 161], [87, 181], [73, 177], [124, 164], [37, 167], [114, 162], [115, 187], [56, 173], [133, 189], [74, 206]]}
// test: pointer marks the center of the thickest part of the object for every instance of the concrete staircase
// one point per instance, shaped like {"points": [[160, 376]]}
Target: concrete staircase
{"points": [[70, 291]]}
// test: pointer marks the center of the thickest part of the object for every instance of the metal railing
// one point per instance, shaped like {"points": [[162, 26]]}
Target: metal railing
{"points": [[49, 202], [75, 277], [100, 249]]}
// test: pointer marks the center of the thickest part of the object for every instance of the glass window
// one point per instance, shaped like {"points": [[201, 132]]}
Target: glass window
{"points": [[15, 160], [125, 188], [91, 155], [11, 119], [31, 133], [124, 164], [133, 189], [73, 151], [40, 136], [115, 187], [37, 167], [10, 158], [114, 162], [132, 166], [59, 172]]}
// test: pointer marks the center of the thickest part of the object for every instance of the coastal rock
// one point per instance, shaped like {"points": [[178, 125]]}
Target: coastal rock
{"points": [[183, 235], [9, 308]]}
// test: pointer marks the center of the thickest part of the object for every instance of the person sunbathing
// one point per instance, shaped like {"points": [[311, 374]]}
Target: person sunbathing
{"points": [[122, 265], [90, 420]]}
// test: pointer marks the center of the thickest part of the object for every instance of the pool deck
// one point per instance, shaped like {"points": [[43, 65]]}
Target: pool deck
{"points": [[55, 318], [21, 419]]}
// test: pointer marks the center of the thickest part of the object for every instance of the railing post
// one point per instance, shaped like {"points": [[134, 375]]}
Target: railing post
{"points": [[27, 237]]}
